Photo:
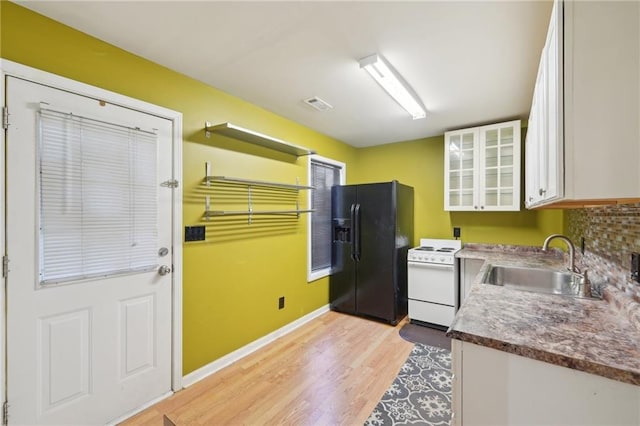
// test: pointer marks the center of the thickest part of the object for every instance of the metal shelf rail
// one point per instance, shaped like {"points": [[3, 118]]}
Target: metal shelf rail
{"points": [[250, 183]]}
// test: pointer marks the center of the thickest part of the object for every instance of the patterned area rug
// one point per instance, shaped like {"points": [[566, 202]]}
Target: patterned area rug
{"points": [[420, 394]]}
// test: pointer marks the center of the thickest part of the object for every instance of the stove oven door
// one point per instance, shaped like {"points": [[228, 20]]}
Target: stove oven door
{"points": [[431, 282]]}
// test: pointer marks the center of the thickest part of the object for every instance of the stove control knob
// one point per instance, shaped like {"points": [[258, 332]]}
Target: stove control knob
{"points": [[442, 259]]}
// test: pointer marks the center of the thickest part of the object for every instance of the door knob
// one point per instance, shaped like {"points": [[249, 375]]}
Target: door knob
{"points": [[164, 270]]}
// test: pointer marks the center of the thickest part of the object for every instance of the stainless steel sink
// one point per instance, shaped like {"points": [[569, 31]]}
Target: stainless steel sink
{"points": [[537, 280]]}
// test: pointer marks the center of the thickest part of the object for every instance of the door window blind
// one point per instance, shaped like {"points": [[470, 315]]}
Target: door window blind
{"points": [[323, 177], [98, 198]]}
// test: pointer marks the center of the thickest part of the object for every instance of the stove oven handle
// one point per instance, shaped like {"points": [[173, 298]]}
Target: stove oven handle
{"points": [[353, 232], [357, 225], [428, 265]]}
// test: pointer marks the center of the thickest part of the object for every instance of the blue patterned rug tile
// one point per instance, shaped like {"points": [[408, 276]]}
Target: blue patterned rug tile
{"points": [[420, 394]]}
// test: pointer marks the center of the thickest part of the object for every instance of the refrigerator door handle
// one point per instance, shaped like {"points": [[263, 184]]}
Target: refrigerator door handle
{"points": [[353, 232], [356, 224]]}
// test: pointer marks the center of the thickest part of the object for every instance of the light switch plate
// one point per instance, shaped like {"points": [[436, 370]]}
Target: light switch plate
{"points": [[194, 233]]}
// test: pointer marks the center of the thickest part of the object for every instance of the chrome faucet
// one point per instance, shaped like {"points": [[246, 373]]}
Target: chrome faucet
{"points": [[572, 249]]}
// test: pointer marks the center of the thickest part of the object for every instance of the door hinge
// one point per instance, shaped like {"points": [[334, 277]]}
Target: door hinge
{"points": [[170, 183], [5, 117], [5, 266], [5, 413]]}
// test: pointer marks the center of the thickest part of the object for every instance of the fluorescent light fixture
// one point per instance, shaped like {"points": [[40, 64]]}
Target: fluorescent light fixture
{"points": [[390, 81]]}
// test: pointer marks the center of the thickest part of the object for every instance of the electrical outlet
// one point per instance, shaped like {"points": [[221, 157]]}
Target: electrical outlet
{"points": [[281, 303], [635, 266], [456, 232]]}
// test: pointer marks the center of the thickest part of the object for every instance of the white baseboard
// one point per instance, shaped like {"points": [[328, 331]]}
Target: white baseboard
{"points": [[209, 369], [138, 410]]}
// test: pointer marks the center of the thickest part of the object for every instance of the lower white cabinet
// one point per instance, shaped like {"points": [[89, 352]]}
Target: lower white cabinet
{"points": [[492, 387], [468, 271]]}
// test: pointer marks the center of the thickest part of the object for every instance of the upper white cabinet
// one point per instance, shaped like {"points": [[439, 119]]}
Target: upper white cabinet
{"points": [[482, 168], [583, 140]]}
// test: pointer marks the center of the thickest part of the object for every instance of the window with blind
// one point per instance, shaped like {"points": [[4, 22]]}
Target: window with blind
{"points": [[98, 198], [323, 174]]}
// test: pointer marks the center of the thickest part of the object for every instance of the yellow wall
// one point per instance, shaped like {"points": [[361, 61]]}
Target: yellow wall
{"points": [[420, 164], [231, 282]]}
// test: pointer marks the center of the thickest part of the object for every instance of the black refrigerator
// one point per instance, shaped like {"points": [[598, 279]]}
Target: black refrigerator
{"points": [[372, 226]]}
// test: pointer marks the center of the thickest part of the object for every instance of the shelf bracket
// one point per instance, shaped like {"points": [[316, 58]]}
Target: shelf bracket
{"points": [[250, 207]]}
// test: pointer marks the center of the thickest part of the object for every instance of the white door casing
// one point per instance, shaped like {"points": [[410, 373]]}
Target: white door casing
{"points": [[90, 351]]}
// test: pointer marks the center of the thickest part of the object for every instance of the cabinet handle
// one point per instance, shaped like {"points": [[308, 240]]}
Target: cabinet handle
{"points": [[541, 191], [530, 199], [481, 207], [475, 207]]}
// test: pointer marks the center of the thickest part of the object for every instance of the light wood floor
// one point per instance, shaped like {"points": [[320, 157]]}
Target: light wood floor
{"points": [[331, 371]]}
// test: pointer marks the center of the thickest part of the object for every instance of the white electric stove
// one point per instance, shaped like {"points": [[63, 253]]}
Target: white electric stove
{"points": [[432, 289]]}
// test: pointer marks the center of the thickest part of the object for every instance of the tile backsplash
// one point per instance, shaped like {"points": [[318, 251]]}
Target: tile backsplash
{"points": [[611, 234]]}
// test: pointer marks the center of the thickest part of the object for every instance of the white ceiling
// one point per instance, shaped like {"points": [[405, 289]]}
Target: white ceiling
{"points": [[469, 62]]}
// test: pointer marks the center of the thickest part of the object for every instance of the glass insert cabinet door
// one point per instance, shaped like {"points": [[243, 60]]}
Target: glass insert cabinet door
{"points": [[498, 167], [482, 168], [461, 164]]}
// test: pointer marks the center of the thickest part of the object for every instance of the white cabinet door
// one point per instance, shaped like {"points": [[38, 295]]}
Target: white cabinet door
{"points": [[499, 388], [456, 382], [552, 185], [482, 168], [536, 149], [461, 165], [469, 269], [544, 150], [532, 153], [499, 185]]}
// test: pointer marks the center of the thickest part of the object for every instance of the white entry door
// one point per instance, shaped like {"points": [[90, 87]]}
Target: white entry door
{"points": [[90, 247]]}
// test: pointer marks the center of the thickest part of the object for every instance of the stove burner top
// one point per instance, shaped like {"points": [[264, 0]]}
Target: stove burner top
{"points": [[438, 250], [434, 251]]}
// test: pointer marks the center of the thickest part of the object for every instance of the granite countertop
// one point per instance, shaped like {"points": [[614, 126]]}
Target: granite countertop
{"points": [[596, 336]]}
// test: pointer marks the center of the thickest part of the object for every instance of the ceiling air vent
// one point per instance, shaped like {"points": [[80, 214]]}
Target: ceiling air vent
{"points": [[318, 104]]}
